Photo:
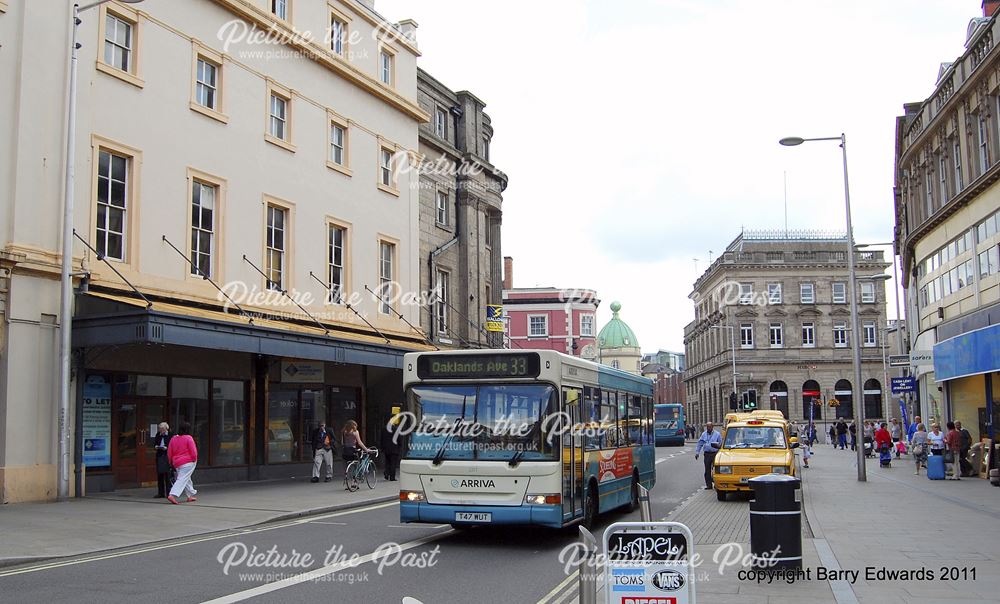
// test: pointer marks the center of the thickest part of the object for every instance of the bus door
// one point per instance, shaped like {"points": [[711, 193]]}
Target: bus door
{"points": [[572, 465]]}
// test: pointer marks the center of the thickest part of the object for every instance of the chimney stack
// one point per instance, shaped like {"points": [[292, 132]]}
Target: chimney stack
{"points": [[508, 269], [990, 7]]}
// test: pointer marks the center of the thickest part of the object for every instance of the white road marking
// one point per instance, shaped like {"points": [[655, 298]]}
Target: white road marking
{"points": [[323, 571], [228, 535], [323, 522], [547, 598]]}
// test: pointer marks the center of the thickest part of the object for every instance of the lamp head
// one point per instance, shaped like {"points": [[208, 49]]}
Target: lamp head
{"points": [[791, 141]]}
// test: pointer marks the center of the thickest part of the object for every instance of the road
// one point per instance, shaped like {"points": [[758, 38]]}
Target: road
{"points": [[351, 559]]}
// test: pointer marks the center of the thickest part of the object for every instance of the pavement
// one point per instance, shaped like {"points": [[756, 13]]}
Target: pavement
{"points": [[31, 532]]}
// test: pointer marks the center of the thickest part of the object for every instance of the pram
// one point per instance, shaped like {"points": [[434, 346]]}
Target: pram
{"points": [[885, 455], [869, 446]]}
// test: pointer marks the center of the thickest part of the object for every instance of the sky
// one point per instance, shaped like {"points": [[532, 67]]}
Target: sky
{"points": [[640, 136]]}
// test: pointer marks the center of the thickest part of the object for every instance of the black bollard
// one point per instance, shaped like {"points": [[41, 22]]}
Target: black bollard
{"points": [[775, 522]]}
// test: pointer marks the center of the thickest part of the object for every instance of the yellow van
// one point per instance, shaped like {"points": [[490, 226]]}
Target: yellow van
{"points": [[752, 446]]}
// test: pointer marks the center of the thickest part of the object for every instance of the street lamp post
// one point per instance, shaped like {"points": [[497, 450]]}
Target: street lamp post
{"points": [[66, 280], [859, 408]]}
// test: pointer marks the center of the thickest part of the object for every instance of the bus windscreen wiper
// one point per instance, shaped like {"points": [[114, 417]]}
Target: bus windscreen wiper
{"points": [[516, 458], [439, 456]]}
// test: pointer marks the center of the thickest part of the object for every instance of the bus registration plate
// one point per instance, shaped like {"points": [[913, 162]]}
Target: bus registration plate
{"points": [[473, 517]]}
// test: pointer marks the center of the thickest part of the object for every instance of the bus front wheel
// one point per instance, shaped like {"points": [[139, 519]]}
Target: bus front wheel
{"points": [[633, 504]]}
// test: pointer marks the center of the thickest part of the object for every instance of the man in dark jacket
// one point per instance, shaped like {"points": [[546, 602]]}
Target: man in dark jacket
{"points": [[963, 454], [163, 469], [322, 442], [842, 434], [390, 447]]}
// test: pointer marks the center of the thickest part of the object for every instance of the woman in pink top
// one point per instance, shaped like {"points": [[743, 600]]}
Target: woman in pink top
{"points": [[183, 455]]}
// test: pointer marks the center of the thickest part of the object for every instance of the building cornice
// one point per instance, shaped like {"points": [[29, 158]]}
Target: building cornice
{"points": [[325, 57]]}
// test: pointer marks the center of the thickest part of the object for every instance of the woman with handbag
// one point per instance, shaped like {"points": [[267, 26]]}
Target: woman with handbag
{"points": [[918, 447]]}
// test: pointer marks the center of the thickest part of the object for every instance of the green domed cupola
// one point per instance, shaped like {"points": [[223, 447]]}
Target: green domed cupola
{"points": [[617, 333]]}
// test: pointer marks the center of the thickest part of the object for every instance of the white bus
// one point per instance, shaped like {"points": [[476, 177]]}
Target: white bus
{"points": [[521, 437]]}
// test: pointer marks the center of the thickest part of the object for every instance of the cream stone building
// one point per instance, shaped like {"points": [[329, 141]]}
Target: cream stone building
{"points": [[205, 153], [947, 202]]}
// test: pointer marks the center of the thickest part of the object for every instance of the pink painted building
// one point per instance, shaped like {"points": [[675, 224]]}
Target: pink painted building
{"points": [[548, 318]]}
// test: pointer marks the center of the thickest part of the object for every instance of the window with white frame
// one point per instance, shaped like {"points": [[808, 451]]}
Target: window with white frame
{"points": [[338, 143], [808, 335], [928, 192], [774, 293], [386, 270], [776, 336], [385, 167], [336, 240], [615, 364], [203, 197], [869, 333], [807, 293], [441, 301], [112, 204], [943, 178], [441, 122], [839, 292], [984, 151], [840, 334], [538, 325], [441, 208], [118, 34], [385, 60], [867, 292], [746, 293], [746, 335], [274, 265], [338, 35], [278, 123], [206, 87], [587, 325], [959, 180], [280, 8]]}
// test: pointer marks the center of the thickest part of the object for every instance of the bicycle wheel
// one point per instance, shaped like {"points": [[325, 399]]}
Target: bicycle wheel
{"points": [[370, 477], [351, 476]]}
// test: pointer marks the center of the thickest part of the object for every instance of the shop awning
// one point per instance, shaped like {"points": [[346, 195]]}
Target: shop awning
{"points": [[108, 319], [971, 353]]}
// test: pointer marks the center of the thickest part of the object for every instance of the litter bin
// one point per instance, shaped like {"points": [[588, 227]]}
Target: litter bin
{"points": [[776, 522]]}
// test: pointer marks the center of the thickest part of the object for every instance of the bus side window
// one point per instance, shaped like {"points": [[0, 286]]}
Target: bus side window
{"points": [[590, 417], [635, 424], [609, 420], [648, 415]]}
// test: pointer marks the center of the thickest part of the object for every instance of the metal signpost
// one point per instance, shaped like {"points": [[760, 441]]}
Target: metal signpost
{"points": [[649, 563]]}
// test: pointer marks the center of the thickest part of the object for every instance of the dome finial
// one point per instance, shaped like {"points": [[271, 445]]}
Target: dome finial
{"points": [[616, 306]]}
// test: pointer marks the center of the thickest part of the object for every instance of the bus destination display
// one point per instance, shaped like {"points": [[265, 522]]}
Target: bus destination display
{"points": [[506, 365]]}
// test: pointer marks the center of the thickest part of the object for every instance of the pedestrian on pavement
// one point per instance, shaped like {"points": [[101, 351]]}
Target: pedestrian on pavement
{"points": [[806, 453], [322, 442], [853, 429], [183, 456], [842, 434], [953, 443], [913, 427], [351, 442], [390, 448], [895, 431], [936, 439], [833, 436], [869, 430], [163, 469], [710, 442], [963, 458], [918, 447], [883, 441]]}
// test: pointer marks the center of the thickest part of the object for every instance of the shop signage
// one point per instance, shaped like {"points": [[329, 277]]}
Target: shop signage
{"points": [[302, 372], [649, 562], [899, 360], [96, 426], [903, 384], [921, 359], [494, 318], [501, 365]]}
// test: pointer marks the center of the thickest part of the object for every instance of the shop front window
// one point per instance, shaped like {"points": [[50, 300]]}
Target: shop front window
{"points": [[314, 411], [189, 397], [228, 423], [282, 425]]}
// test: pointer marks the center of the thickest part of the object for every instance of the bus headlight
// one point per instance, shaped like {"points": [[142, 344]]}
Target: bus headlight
{"points": [[551, 499], [723, 469], [779, 469], [412, 496]]}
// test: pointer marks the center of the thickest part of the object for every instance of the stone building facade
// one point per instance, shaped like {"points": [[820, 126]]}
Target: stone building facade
{"points": [[460, 217], [782, 300], [947, 205]]}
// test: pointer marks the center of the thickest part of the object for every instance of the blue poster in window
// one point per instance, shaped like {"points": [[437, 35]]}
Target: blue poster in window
{"points": [[96, 428]]}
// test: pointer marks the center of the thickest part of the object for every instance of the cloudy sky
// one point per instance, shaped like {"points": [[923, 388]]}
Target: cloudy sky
{"points": [[640, 136]]}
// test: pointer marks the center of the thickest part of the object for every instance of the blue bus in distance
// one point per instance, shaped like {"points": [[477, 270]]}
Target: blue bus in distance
{"points": [[668, 422]]}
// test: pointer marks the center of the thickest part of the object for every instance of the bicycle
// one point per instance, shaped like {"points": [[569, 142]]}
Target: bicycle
{"points": [[361, 468]]}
